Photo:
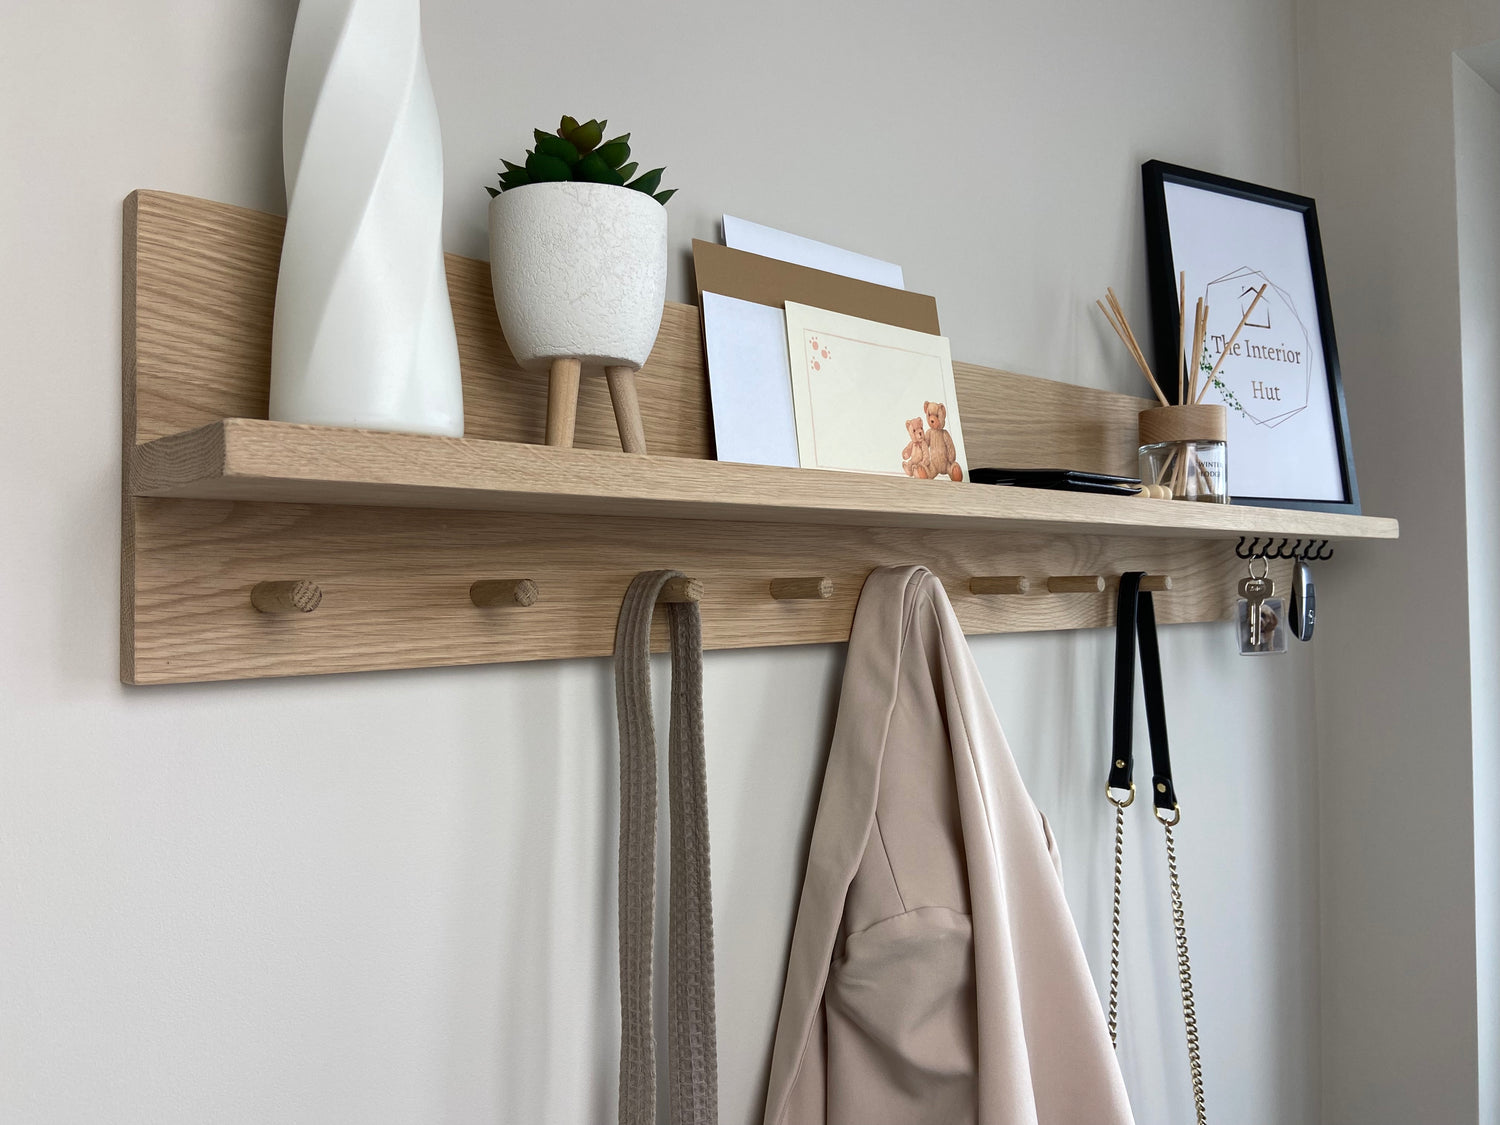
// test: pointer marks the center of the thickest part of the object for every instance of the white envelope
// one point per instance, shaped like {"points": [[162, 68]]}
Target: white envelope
{"points": [[769, 242], [750, 382]]}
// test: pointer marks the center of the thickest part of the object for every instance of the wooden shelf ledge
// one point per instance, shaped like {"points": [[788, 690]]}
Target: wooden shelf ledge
{"points": [[250, 459]]}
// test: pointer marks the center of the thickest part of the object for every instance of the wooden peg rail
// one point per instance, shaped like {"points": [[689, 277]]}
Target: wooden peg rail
{"points": [[256, 548], [304, 596]]}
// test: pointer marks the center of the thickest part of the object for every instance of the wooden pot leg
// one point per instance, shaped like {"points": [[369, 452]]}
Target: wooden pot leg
{"points": [[627, 408], [562, 401]]}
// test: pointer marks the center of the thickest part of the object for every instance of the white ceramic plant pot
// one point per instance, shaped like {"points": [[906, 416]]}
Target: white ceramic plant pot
{"points": [[363, 333], [579, 271]]}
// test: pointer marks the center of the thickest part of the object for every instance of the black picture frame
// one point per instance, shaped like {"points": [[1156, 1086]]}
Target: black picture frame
{"points": [[1162, 278]]}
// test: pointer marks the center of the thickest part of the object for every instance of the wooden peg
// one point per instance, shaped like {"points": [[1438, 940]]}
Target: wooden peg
{"points": [[1000, 584], [489, 592], [300, 596], [562, 401], [1076, 584], [798, 589], [627, 406], [1156, 583], [678, 590]]}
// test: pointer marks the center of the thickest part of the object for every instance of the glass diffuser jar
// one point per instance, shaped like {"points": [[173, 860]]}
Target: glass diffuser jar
{"points": [[1183, 448]]}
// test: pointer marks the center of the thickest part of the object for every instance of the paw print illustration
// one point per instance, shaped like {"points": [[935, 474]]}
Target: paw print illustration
{"points": [[816, 353]]}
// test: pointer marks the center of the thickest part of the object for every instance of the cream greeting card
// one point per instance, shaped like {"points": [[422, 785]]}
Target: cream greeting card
{"points": [[870, 397]]}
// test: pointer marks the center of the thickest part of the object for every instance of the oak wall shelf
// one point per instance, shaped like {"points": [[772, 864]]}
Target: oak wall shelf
{"points": [[248, 459], [394, 530]]}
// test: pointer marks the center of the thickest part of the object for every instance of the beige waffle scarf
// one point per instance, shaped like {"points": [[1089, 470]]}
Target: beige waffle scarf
{"points": [[694, 1085]]}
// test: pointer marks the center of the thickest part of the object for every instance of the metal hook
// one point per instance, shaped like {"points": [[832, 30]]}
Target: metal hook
{"points": [[1325, 552], [1240, 551]]}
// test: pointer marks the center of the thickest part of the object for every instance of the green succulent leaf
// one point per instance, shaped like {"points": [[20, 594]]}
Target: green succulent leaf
{"points": [[491, 190], [615, 152], [578, 152], [593, 169], [556, 147], [586, 137], [545, 169], [649, 182]]}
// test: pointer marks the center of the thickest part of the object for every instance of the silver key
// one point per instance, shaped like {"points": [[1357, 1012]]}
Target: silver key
{"points": [[1255, 591]]}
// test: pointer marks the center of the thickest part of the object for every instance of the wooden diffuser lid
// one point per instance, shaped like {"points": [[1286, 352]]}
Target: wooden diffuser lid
{"points": [[1182, 423]]}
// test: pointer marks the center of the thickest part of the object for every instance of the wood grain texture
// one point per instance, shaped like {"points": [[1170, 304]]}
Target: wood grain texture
{"points": [[245, 459], [202, 318], [396, 583], [396, 529]]}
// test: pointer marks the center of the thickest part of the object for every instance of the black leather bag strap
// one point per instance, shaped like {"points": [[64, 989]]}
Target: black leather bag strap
{"points": [[1136, 617]]}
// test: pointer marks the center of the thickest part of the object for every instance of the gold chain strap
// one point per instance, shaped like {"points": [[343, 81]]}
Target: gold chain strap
{"points": [[1179, 929], [1185, 978], [1114, 933]]}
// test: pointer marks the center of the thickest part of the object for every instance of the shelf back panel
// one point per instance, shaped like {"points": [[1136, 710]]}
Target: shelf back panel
{"points": [[201, 287]]}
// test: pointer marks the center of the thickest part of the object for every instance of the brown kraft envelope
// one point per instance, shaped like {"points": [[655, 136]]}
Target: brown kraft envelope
{"points": [[768, 281]]}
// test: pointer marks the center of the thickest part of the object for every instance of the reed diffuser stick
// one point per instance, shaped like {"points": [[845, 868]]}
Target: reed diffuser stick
{"points": [[1181, 327], [1214, 374], [1200, 325], [1134, 345], [1122, 330]]}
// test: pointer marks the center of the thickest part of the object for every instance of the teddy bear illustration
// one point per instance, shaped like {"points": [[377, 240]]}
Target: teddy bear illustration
{"points": [[914, 456], [941, 454]]}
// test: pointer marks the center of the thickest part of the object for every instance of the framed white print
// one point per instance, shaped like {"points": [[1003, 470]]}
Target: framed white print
{"points": [[1288, 430], [872, 398]]}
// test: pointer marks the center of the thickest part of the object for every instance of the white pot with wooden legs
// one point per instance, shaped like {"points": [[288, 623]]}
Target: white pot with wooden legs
{"points": [[580, 278]]}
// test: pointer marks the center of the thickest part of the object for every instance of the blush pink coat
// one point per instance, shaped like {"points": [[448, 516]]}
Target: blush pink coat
{"points": [[935, 974]]}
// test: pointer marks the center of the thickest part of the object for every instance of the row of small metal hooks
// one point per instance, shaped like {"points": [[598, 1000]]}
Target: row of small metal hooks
{"points": [[1314, 551], [304, 596]]}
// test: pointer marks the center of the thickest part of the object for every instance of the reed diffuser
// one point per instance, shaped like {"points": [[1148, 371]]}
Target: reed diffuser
{"points": [[1182, 448]]}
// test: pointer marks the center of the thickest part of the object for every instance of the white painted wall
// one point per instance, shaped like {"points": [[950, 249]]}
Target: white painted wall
{"points": [[388, 898], [1396, 777], [1476, 105]]}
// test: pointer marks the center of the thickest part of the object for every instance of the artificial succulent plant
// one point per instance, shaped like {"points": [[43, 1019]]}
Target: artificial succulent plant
{"points": [[580, 152]]}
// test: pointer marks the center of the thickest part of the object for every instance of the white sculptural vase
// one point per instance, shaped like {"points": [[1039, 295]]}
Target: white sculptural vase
{"points": [[580, 277], [363, 333]]}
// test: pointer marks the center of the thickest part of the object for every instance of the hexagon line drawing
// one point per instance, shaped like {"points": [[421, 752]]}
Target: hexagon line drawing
{"points": [[1241, 279]]}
